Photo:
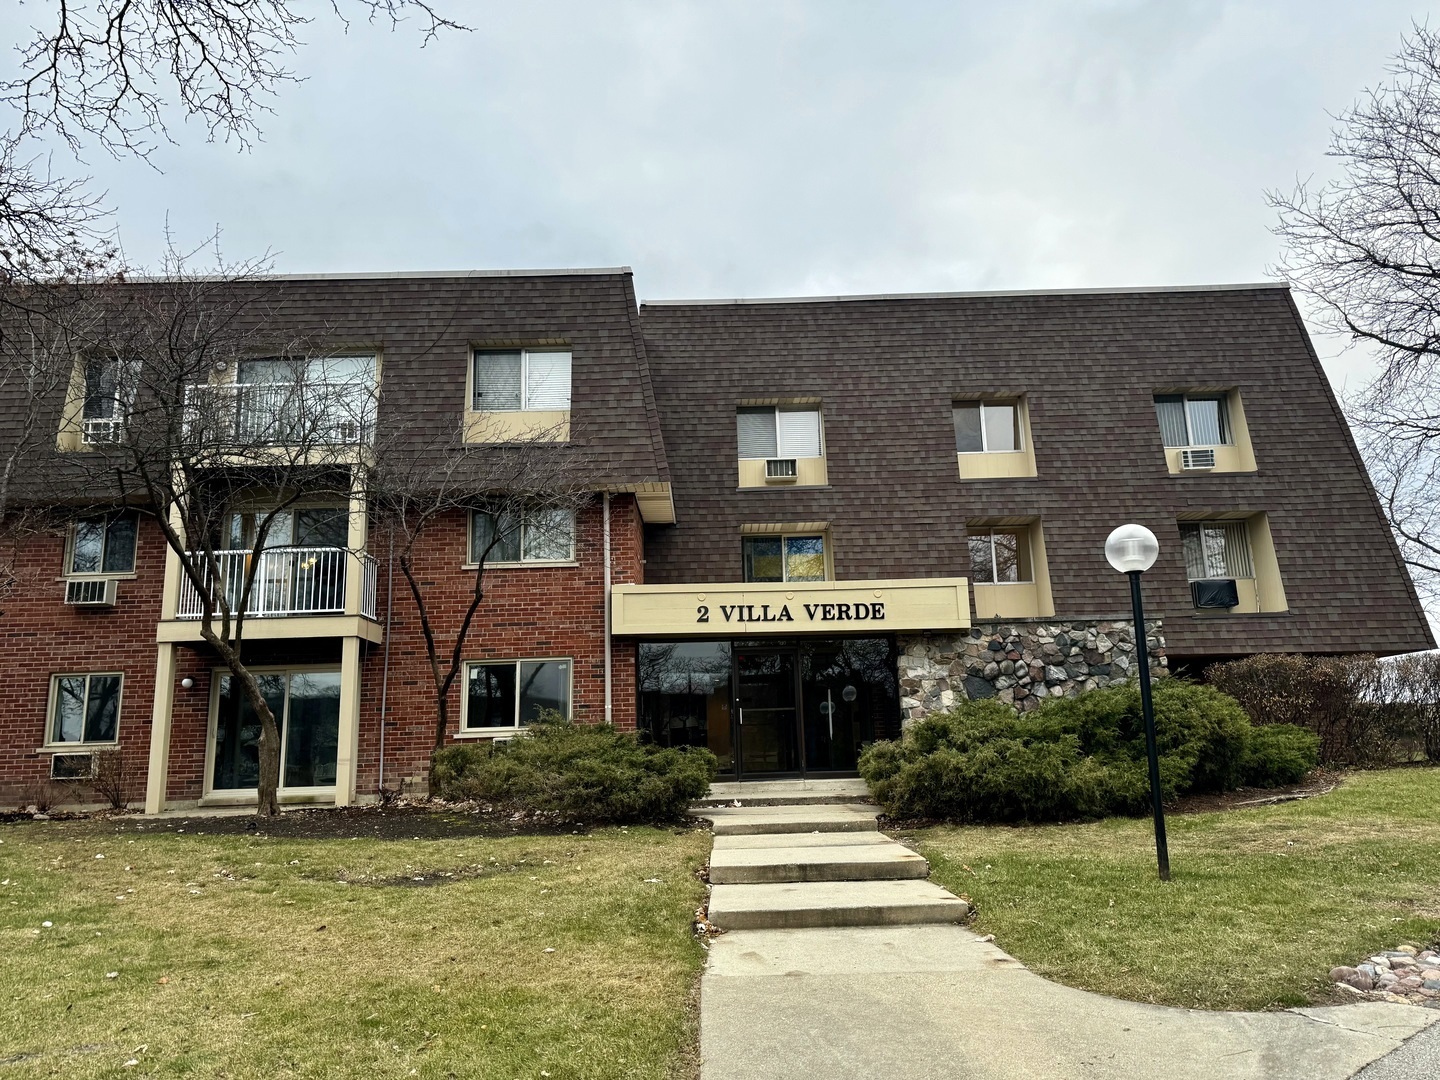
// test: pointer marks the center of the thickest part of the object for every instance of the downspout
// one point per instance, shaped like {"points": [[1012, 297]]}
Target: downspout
{"points": [[609, 715], [385, 667]]}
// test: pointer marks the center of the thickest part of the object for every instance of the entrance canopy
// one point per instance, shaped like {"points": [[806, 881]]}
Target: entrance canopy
{"points": [[790, 608]]}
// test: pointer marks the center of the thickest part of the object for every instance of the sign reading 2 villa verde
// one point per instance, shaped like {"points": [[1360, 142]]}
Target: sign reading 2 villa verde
{"points": [[751, 608], [747, 613]]}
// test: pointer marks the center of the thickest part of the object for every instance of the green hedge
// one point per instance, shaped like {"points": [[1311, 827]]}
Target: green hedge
{"points": [[583, 772], [1080, 757]]}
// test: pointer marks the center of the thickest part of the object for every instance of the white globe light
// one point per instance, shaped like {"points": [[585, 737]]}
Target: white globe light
{"points": [[1130, 548]]}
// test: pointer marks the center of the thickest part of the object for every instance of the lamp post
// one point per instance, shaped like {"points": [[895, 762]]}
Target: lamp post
{"points": [[1132, 549]]}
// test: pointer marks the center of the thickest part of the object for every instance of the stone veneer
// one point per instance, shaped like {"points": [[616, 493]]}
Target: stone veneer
{"points": [[1020, 661]]}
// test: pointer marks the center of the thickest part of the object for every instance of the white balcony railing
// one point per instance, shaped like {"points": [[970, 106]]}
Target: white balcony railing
{"points": [[290, 413], [96, 430], [288, 581]]}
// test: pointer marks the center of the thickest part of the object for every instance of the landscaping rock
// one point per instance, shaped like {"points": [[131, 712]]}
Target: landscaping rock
{"points": [[1352, 977], [1406, 974]]}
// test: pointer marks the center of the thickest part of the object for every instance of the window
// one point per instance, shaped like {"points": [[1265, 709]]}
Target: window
{"points": [[1193, 420], [510, 380], [784, 558], [543, 536], [107, 399], [1216, 549], [103, 545], [84, 708], [987, 427], [514, 693], [999, 556], [772, 432]]}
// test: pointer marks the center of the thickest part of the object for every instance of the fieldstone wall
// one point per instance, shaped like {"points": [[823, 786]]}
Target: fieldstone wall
{"points": [[1020, 661]]}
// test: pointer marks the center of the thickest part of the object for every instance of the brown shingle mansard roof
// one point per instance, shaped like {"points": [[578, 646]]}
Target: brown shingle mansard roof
{"points": [[887, 370], [426, 324]]}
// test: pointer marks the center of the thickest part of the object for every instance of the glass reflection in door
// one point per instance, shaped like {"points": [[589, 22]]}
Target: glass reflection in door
{"points": [[849, 690], [765, 696], [306, 706], [685, 696]]}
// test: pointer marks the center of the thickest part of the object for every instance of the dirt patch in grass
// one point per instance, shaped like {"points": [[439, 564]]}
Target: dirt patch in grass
{"points": [[1319, 782]]}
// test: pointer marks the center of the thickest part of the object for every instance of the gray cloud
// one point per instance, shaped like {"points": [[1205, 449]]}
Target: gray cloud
{"points": [[730, 148]]}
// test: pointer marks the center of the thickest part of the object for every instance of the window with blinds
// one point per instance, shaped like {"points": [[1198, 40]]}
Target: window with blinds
{"points": [[513, 379], [1216, 549], [784, 432], [1193, 419]]}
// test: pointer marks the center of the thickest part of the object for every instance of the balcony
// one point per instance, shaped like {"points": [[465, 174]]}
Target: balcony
{"points": [[290, 581], [303, 413]]}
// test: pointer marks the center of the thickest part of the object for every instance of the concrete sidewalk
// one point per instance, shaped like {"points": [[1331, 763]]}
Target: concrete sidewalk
{"points": [[934, 1001]]}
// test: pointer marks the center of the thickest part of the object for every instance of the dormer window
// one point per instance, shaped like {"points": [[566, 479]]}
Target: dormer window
{"points": [[107, 400], [1194, 419], [987, 427], [517, 380], [779, 432]]}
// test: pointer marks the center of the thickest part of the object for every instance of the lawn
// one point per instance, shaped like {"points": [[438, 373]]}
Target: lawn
{"points": [[134, 954], [1261, 904]]}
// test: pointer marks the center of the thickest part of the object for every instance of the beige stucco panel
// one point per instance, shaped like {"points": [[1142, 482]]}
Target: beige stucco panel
{"points": [[829, 607], [519, 425], [810, 472]]}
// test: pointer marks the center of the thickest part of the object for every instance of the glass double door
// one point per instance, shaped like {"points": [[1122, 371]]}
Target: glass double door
{"points": [[804, 710], [771, 708]]}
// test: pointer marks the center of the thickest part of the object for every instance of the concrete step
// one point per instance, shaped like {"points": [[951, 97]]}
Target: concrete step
{"points": [[746, 841], [842, 903], [733, 821], [786, 793], [886, 861]]}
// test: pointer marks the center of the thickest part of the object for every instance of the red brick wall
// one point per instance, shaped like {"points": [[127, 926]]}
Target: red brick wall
{"points": [[541, 612], [550, 611], [41, 636]]}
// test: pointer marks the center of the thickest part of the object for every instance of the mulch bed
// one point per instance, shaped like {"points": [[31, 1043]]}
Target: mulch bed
{"points": [[404, 821]]}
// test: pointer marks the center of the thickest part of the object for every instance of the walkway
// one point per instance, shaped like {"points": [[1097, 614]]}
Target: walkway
{"points": [[842, 961]]}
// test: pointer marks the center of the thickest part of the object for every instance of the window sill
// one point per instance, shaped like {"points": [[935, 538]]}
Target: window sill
{"points": [[1230, 613], [488, 733], [76, 747], [783, 487], [126, 575], [535, 564]]}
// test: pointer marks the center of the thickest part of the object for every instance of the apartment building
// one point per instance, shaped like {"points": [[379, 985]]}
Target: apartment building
{"points": [[811, 520]]}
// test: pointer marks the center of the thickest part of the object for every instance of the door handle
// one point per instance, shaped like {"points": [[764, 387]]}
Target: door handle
{"points": [[741, 714]]}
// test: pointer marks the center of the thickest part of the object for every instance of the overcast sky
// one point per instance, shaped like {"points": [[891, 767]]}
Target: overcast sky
{"points": [[724, 148]]}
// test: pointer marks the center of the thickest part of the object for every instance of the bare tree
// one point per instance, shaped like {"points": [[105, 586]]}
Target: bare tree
{"points": [[167, 425], [525, 491], [116, 73], [1364, 249]]}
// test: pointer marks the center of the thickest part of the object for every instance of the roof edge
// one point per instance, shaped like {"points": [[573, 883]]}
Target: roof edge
{"points": [[740, 301], [399, 275]]}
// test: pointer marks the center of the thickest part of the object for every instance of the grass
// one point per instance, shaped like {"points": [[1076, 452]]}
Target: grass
{"points": [[238, 956], [1261, 905]]}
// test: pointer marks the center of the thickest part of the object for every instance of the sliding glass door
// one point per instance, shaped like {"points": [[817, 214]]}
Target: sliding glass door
{"points": [[306, 705]]}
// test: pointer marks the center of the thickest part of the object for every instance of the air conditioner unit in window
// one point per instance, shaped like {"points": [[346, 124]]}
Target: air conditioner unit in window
{"points": [[781, 470], [72, 766], [1215, 593], [1197, 459], [91, 592]]}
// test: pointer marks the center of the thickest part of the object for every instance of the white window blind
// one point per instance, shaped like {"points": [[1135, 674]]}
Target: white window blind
{"points": [[755, 431], [1218, 549], [798, 433], [497, 381], [547, 380]]}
